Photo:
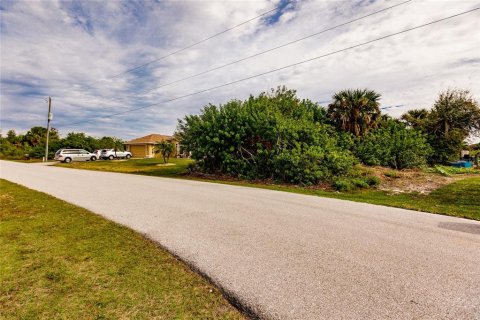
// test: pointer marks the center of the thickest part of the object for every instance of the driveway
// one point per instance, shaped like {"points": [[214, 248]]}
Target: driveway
{"points": [[285, 255]]}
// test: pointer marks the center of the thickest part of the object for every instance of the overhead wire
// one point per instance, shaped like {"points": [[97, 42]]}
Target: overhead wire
{"points": [[262, 52], [134, 68], [285, 67]]}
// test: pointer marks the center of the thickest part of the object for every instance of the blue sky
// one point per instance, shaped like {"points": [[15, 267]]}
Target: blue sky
{"points": [[71, 49]]}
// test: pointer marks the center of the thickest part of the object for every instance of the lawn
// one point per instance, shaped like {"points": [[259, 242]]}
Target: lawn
{"points": [[59, 261], [460, 198]]}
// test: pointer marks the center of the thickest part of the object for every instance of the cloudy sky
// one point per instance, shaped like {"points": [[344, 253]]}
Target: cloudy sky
{"points": [[78, 52]]}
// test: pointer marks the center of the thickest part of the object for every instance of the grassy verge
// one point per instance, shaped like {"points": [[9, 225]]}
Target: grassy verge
{"points": [[458, 199], [59, 261]]}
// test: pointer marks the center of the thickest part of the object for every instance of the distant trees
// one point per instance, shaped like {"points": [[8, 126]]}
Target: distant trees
{"points": [[33, 143], [454, 116], [355, 111], [166, 149], [36, 136]]}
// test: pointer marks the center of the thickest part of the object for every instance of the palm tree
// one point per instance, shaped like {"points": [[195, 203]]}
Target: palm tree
{"points": [[165, 148], [117, 145], [356, 111], [416, 118]]}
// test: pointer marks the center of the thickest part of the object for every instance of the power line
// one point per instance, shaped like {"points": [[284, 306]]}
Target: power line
{"points": [[287, 66], [187, 47], [195, 44], [263, 52], [275, 48]]}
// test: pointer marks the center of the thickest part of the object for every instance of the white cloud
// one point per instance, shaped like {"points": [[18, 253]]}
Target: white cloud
{"points": [[68, 49]]}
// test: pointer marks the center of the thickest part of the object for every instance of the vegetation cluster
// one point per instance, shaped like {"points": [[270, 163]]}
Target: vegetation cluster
{"points": [[278, 136]]}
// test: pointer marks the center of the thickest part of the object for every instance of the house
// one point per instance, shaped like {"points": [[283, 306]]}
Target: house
{"points": [[144, 147]]}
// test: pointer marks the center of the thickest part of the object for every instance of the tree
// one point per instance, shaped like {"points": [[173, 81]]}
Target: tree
{"points": [[79, 140], [454, 116], [416, 118], [395, 145], [11, 136], [117, 145], [356, 111], [455, 109], [165, 148], [106, 143], [37, 136]]}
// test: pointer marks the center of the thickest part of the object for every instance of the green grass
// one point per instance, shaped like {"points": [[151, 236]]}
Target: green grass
{"points": [[460, 199], [59, 261], [449, 170], [151, 167]]}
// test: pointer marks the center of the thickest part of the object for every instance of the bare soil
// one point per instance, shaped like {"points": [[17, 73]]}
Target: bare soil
{"points": [[411, 180]]}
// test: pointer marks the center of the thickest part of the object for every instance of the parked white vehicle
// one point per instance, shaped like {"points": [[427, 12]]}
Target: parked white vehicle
{"points": [[69, 155], [110, 154], [97, 153]]}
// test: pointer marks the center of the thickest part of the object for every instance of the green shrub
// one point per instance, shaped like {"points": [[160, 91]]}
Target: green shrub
{"points": [[271, 136], [343, 185], [373, 181], [393, 145], [359, 183]]}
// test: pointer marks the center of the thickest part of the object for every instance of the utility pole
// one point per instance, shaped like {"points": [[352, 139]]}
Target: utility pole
{"points": [[49, 118]]}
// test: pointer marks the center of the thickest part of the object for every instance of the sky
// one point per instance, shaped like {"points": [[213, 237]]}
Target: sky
{"points": [[77, 52]]}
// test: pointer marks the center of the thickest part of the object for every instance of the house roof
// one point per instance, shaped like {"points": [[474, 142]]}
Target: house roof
{"points": [[150, 139]]}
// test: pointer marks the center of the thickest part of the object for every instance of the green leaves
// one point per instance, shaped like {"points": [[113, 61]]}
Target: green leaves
{"points": [[355, 111], [272, 136], [166, 149], [395, 145], [454, 116]]}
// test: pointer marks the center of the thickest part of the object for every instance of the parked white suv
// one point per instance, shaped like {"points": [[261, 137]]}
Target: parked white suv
{"points": [[97, 153], [111, 154], [69, 155]]}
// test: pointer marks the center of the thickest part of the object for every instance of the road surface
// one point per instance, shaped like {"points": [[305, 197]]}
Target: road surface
{"points": [[289, 256]]}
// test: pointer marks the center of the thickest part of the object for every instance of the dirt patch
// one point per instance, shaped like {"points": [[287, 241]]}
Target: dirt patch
{"points": [[411, 180]]}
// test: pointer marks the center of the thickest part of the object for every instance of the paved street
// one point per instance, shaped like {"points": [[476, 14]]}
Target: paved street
{"points": [[289, 256]]}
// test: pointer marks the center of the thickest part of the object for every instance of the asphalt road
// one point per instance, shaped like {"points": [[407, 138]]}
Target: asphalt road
{"points": [[289, 256]]}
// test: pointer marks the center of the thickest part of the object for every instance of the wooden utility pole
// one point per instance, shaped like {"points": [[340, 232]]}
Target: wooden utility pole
{"points": [[49, 118]]}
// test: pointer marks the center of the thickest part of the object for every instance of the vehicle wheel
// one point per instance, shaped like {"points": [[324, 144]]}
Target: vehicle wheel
{"points": [[111, 157], [128, 156], [93, 158], [68, 160]]}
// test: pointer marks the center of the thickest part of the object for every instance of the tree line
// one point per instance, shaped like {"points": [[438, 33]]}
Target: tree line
{"points": [[278, 136], [16, 146]]}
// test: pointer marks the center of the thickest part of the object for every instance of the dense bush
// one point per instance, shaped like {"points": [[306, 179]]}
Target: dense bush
{"points": [[273, 136], [393, 145]]}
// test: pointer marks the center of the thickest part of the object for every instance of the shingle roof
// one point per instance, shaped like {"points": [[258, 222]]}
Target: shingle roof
{"points": [[150, 139]]}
